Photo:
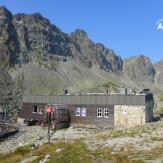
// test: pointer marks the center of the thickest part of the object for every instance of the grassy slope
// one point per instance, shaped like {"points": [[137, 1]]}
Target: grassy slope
{"points": [[74, 152], [76, 78]]}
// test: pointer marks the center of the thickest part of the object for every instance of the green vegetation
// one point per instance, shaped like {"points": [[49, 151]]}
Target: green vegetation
{"points": [[69, 152], [161, 98], [15, 156], [77, 69], [122, 156], [52, 65], [157, 139], [55, 65], [77, 151], [110, 86], [160, 105], [73, 152], [131, 132]]}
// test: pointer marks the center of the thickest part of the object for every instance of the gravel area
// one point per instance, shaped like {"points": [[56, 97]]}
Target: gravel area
{"points": [[72, 134], [27, 135], [150, 137], [37, 135]]}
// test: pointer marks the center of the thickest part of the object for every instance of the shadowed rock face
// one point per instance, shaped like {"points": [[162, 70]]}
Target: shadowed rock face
{"points": [[139, 69], [23, 36], [91, 53], [35, 33], [8, 38]]}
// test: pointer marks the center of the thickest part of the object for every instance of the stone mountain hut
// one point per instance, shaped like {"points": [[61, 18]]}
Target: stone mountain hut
{"points": [[101, 110]]}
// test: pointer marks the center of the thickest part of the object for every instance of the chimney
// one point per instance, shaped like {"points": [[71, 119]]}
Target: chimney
{"points": [[66, 91]]}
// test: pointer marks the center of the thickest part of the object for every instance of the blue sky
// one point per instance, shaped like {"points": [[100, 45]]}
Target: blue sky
{"points": [[127, 26]]}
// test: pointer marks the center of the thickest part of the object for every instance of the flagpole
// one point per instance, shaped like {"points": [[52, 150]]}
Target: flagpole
{"points": [[49, 114]]}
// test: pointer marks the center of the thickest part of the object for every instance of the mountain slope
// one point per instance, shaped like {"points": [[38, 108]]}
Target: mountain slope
{"points": [[159, 74], [8, 38], [91, 53], [139, 69], [24, 39], [47, 60], [72, 61]]}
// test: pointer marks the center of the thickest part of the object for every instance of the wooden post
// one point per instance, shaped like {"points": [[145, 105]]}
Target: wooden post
{"points": [[49, 122], [49, 111]]}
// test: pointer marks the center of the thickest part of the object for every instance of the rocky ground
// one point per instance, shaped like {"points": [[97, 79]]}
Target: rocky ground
{"points": [[141, 139], [37, 135], [144, 137], [27, 135]]}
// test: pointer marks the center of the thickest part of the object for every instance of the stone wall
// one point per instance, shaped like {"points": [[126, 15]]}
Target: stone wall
{"points": [[129, 116]]}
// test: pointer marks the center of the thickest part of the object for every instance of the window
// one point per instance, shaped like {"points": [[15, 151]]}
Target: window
{"points": [[83, 112], [35, 109], [77, 112], [106, 112], [40, 109], [99, 112]]}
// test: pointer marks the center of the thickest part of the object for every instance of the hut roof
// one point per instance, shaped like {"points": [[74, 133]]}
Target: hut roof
{"points": [[90, 99]]}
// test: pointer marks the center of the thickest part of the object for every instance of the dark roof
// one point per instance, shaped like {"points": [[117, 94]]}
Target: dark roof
{"points": [[88, 99]]}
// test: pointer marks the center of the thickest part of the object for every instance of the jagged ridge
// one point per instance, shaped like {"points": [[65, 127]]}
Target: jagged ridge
{"points": [[25, 35], [32, 39]]}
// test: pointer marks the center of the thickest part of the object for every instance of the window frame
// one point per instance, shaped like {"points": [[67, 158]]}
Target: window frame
{"points": [[77, 111], [33, 109], [84, 110], [40, 109], [99, 112], [106, 112]]}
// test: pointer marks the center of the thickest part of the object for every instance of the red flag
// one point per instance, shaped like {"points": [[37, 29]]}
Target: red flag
{"points": [[50, 109]]}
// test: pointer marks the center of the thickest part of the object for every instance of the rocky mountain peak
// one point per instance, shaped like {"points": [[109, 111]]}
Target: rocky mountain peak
{"points": [[100, 46], [36, 18], [4, 13], [40, 37], [139, 69], [144, 60], [29, 41], [159, 64], [80, 33], [95, 53], [43, 39], [8, 40]]}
